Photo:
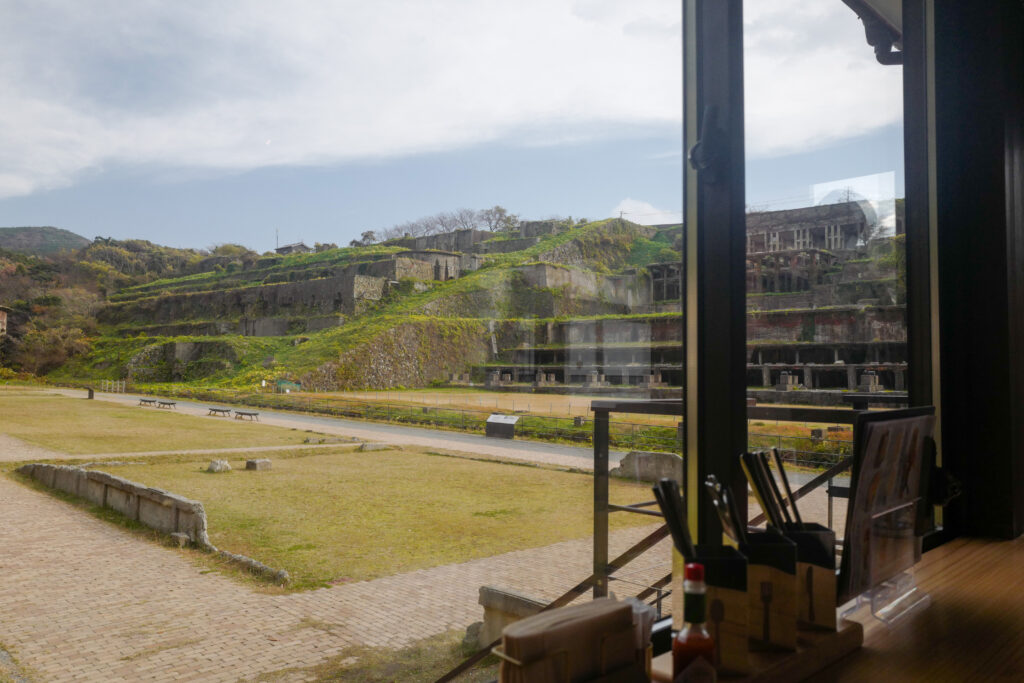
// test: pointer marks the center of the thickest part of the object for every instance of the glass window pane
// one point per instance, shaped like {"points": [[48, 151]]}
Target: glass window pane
{"points": [[826, 276]]}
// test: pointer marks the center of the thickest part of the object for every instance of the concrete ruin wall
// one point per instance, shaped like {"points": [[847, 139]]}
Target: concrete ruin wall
{"points": [[460, 240], [248, 327], [443, 266], [156, 508], [611, 331], [539, 228], [834, 326], [177, 361], [885, 292], [507, 246], [342, 294], [625, 290]]}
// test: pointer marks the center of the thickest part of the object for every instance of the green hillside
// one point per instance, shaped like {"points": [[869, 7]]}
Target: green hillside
{"points": [[40, 241], [405, 312]]}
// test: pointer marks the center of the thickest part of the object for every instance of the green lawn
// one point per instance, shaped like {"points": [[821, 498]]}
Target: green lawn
{"points": [[337, 516], [79, 426]]}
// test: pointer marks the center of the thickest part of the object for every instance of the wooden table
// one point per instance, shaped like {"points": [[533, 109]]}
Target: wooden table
{"points": [[815, 650], [973, 630], [147, 401], [220, 412], [166, 404], [240, 414]]}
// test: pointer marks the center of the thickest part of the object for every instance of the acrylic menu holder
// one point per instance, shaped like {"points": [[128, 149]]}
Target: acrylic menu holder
{"points": [[893, 544], [883, 524]]}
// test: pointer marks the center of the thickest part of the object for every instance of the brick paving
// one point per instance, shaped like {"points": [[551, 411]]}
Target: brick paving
{"points": [[82, 600]]}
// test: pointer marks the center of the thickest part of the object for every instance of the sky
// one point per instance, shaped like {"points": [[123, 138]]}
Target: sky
{"points": [[200, 122]]}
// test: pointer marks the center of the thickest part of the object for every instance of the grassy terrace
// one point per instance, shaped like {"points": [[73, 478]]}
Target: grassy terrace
{"points": [[79, 427], [267, 266], [339, 515]]}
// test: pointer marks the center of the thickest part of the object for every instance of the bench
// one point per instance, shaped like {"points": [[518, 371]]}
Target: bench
{"points": [[220, 412], [147, 401], [166, 404], [239, 414]]}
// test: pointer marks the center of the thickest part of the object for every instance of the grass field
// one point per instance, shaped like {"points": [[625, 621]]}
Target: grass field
{"points": [[554, 405], [78, 426], [340, 516]]}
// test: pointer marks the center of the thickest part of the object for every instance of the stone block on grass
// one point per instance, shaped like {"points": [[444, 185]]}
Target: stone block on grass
{"points": [[258, 464]]}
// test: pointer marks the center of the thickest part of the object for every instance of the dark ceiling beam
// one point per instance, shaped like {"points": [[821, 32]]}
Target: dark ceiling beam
{"points": [[879, 32]]}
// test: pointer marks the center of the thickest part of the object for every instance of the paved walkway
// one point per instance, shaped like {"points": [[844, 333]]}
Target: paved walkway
{"points": [[83, 600]]}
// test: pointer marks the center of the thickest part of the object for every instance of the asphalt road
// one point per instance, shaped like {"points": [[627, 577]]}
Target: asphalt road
{"points": [[534, 451]]}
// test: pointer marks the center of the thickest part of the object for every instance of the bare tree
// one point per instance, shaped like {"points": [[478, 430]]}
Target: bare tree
{"points": [[466, 219], [498, 219]]}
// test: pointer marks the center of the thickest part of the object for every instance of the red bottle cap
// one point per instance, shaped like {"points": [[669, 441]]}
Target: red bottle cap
{"points": [[694, 572]]}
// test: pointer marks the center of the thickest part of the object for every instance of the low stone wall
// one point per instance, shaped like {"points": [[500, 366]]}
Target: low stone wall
{"points": [[157, 509], [649, 466], [501, 608]]}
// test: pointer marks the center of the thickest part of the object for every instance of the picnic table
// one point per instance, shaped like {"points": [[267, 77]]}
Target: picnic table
{"points": [[220, 412], [147, 401], [251, 415], [166, 404]]}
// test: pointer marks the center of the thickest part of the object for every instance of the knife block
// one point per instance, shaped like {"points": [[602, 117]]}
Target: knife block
{"points": [[771, 591], [725, 572], [816, 575]]}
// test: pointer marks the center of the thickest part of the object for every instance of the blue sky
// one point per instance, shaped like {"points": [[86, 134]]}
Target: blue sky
{"points": [[199, 123]]}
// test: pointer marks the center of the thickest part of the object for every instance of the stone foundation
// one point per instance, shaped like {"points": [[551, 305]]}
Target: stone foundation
{"points": [[157, 509]]}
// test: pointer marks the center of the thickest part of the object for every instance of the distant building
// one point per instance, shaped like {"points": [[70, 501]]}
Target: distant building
{"points": [[831, 227], [297, 248]]}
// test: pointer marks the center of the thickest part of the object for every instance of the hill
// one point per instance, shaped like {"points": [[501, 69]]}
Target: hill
{"points": [[40, 241]]}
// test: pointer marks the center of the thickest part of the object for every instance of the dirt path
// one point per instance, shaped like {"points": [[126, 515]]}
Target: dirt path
{"points": [[15, 450]]}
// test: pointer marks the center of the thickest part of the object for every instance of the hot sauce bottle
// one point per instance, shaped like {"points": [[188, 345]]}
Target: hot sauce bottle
{"points": [[693, 648]]}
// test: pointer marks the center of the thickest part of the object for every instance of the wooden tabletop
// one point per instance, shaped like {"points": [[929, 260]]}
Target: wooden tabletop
{"points": [[973, 630]]}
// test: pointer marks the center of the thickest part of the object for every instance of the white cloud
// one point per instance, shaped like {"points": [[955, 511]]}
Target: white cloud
{"points": [[206, 84], [645, 213], [810, 77]]}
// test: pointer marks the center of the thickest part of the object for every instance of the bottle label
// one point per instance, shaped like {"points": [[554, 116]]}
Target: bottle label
{"points": [[694, 608], [700, 670]]}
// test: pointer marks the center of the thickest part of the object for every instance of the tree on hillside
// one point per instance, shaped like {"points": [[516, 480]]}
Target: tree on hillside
{"points": [[466, 219], [368, 237], [495, 219], [498, 219], [39, 351]]}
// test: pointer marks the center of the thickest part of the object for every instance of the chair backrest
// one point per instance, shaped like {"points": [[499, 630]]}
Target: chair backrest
{"points": [[891, 460]]}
